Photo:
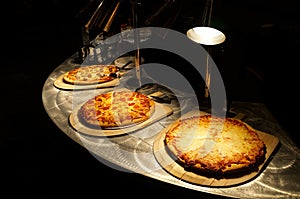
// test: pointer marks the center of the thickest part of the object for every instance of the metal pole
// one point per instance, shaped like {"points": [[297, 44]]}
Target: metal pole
{"points": [[135, 7]]}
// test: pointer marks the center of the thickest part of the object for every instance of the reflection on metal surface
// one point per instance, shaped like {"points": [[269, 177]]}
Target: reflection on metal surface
{"points": [[278, 193], [288, 162], [133, 152]]}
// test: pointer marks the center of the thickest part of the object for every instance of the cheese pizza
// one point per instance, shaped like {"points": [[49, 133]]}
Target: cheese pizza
{"points": [[117, 109], [214, 145], [91, 74]]}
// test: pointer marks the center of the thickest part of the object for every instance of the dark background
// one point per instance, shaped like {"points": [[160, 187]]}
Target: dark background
{"points": [[40, 161]]}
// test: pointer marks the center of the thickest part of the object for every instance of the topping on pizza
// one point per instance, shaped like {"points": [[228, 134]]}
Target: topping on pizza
{"points": [[92, 74], [212, 145], [117, 109]]}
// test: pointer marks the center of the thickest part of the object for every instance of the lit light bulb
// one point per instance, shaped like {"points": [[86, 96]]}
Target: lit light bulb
{"points": [[206, 35]]}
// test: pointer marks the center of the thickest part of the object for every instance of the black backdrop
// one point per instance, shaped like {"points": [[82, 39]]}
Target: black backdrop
{"points": [[39, 161]]}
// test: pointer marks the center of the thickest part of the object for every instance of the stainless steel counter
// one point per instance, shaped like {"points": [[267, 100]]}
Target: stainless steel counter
{"points": [[134, 151]]}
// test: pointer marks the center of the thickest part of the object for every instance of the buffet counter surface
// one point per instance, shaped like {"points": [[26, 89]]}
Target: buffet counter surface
{"points": [[135, 151]]}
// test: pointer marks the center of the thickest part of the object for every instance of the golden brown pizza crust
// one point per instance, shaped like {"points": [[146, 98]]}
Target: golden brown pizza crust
{"points": [[117, 109], [91, 74], [216, 146]]}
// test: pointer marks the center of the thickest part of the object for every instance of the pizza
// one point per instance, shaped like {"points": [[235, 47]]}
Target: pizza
{"points": [[91, 74], [117, 109], [215, 146]]}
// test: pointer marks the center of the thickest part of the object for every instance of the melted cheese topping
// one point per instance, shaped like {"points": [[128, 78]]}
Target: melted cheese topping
{"points": [[90, 73], [214, 143], [117, 109]]}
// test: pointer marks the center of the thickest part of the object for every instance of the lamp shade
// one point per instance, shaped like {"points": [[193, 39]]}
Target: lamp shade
{"points": [[206, 35]]}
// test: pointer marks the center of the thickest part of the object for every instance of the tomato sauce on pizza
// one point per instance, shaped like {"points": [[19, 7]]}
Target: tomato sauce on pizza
{"points": [[91, 74], [117, 109]]}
